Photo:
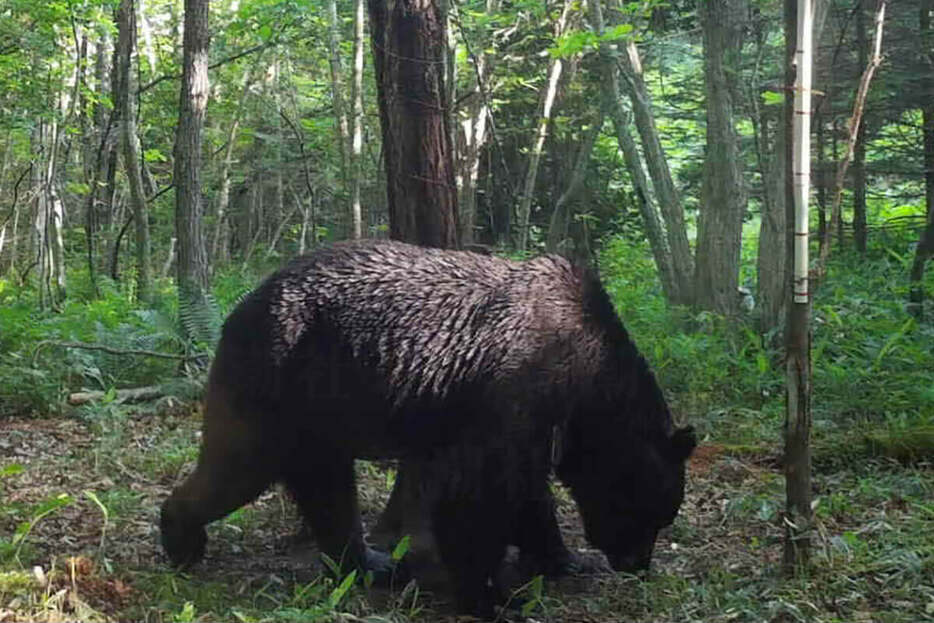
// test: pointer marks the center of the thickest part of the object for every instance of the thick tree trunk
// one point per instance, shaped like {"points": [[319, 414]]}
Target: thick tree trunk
{"points": [[192, 266], [925, 249], [555, 67], [125, 92], [669, 200], [720, 225], [408, 39], [356, 122]]}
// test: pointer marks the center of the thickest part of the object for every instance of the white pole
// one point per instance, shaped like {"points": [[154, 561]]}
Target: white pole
{"points": [[801, 162]]}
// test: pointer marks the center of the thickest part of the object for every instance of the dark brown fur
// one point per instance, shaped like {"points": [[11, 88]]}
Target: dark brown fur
{"points": [[461, 364]]}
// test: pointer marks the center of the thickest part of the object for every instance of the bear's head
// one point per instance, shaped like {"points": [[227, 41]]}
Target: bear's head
{"points": [[627, 490]]}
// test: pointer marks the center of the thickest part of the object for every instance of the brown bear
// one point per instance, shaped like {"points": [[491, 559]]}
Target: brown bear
{"points": [[466, 367]]}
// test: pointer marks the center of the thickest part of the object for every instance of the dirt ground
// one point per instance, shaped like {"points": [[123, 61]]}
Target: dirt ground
{"points": [[87, 566]]}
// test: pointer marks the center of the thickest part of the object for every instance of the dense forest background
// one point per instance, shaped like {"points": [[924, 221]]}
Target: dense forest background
{"points": [[646, 137]]}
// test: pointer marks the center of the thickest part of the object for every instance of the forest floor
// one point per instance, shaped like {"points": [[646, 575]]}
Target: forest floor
{"points": [[79, 500]]}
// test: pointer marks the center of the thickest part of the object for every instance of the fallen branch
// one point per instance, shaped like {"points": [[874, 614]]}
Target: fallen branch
{"points": [[108, 349], [136, 394]]}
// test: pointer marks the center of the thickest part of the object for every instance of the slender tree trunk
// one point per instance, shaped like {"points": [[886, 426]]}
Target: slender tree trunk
{"points": [[925, 249], [14, 241], [48, 222], [337, 85], [669, 200], [474, 126], [192, 266], [720, 225], [357, 120], [560, 217], [220, 245], [772, 255], [40, 222], [835, 156], [797, 462], [855, 127], [821, 171], [169, 258], [148, 46], [278, 180], [609, 78], [549, 95], [859, 155], [4, 167], [408, 39], [126, 96]]}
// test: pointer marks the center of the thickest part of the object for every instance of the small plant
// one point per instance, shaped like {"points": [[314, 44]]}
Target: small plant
{"points": [[35, 515]]}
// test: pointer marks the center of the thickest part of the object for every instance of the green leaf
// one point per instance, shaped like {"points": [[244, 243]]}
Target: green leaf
{"points": [[771, 98], [572, 43], [620, 31], [11, 470], [154, 155], [338, 593], [401, 548]]}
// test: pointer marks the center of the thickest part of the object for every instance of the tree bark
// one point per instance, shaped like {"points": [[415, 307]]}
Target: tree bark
{"points": [[49, 217], [125, 92], [555, 67], [408, 40], [192, 268], [925, 249], [797, 428], [720, 225], [771, 259], [669, 200]]}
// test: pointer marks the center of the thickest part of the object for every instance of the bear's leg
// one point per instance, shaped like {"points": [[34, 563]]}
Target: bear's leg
{"points": [[412, 516], [232, 471], [470, 502], [541, 546], [471, 549], [324, 487]]}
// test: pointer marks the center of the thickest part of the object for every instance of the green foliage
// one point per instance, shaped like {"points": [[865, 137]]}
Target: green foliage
{"points": [[873, 365], [35, 373]]}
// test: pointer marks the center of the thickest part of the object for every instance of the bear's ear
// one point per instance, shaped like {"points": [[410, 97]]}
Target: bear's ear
{"points": [[683, 442]]}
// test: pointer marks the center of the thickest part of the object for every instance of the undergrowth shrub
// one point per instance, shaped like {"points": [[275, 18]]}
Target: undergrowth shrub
{"points": [[872, 363]]}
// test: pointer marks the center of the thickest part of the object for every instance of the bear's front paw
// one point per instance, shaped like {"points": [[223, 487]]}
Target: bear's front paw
{"points": [[183, 544]]}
